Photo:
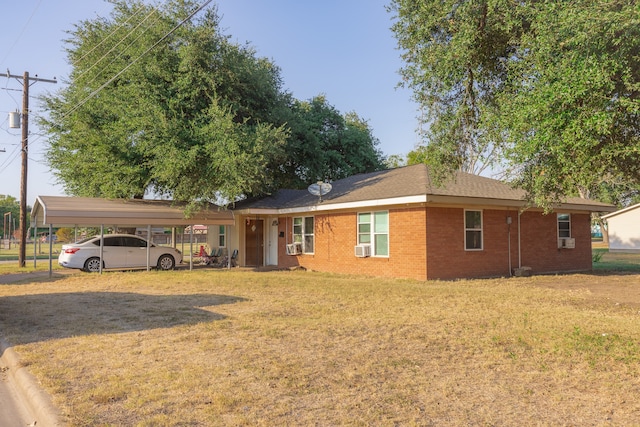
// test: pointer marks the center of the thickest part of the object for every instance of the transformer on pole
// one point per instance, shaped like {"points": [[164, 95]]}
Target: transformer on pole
{"points": [[26, 82], [14, 120]]}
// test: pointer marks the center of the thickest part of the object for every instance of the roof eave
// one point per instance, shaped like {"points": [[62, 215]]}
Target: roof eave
{"points": [[327, 206]]}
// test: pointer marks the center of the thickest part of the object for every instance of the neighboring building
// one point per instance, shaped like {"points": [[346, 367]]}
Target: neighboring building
{"points": [[397, 223], [624, 229]]}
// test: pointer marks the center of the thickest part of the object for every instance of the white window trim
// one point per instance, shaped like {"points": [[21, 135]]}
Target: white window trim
{"points": [[558, 225], [304, 233], [481, 229], [373, 233]]}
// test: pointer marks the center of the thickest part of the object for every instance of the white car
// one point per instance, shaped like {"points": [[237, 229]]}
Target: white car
{"points": [[120, 251]]}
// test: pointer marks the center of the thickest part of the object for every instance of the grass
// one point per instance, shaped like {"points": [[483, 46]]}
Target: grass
{"points": [[218, 347], [607, 261], [8, 256], [42, 251]]}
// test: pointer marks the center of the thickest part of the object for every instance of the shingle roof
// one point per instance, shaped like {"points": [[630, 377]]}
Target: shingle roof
{"points": [[85, 211], [408, 181]]}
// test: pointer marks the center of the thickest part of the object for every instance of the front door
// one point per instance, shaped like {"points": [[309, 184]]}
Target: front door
{"points": [[254, 242]]}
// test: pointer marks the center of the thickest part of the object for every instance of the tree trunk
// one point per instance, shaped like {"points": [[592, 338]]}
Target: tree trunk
{"points": [[603, 230]]}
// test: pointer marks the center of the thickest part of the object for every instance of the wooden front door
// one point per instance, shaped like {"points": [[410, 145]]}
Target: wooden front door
{"points": [[254, 242]]}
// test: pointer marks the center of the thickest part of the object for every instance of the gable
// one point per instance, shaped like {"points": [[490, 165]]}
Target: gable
{"points": [[633, 211]]}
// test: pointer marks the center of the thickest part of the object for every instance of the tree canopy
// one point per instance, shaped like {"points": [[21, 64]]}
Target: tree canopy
{"points": [[8, 204], [162, 102], [547, 91], [326, 145]]}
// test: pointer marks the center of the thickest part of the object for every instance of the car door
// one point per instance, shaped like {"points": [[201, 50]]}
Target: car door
{"points": [[136, 249], [115, 255]]}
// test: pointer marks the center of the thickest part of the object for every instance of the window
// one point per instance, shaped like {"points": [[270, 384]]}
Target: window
{"points": [[473, 230], [134, 242], [564, 225], [373, 229], [111, 241], [222, 236], [303, 233]]}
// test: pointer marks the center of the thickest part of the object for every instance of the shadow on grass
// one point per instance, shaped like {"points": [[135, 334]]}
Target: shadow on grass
{"points": [[33, 318]]}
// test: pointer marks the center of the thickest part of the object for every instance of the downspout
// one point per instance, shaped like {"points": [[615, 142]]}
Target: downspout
{"points": [[519, 243], [509, 220]]}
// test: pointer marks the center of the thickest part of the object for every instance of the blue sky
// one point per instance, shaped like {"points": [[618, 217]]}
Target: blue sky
{"points": [[342, 49]]}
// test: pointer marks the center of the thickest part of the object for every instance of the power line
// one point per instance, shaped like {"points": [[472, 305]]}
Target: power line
{"points": [[10, 160], [21, 32], [114, 47], [108, 82], [109, 36], [14, 154]]}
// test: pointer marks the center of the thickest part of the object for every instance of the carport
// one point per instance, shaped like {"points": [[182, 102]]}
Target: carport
{"points": [[60, 211]]}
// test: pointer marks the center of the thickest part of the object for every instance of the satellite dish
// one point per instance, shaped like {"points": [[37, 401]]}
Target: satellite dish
{"points": [[319, 189]]}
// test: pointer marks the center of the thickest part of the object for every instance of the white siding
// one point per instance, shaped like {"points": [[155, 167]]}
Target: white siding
{"points": [[624, 230]]}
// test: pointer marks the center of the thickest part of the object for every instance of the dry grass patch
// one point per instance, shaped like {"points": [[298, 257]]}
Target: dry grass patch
{"points": [[296, 348]]}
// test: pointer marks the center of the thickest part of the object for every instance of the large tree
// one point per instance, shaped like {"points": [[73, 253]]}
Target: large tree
{"points": [[552, 85], [454, 53], [161, 103], [571, 108]]}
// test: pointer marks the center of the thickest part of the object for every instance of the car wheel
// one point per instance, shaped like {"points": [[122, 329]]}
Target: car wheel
{"points": [[166, 262], [92, 265]]}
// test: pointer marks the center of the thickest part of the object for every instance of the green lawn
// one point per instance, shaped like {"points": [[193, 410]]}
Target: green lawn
{"points": [[607, 261], [42, 251]]}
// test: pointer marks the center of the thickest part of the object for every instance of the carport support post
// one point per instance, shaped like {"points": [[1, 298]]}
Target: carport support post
{"points": [[50, 250], [35, 234], [148, 246], [101, 245], [191, 247]]}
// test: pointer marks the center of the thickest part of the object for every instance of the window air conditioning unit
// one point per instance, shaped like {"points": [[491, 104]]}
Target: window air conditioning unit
{"points": [[294, 249], [566, 243], [363, 251]]}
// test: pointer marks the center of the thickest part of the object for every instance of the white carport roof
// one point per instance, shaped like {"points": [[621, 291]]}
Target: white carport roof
{"points": [[62, 211]]}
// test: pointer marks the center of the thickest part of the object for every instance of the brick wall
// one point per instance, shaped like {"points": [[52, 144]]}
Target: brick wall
{"points": [[428, 243], [540, 243], [336, 237], [447, 257]]}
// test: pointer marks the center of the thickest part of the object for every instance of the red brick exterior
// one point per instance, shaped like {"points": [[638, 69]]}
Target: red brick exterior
{"points": [[428, 243], [540, 250], [336, 236]]}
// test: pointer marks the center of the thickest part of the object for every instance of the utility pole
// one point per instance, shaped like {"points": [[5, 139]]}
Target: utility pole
{"points": [[26, 82]]}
